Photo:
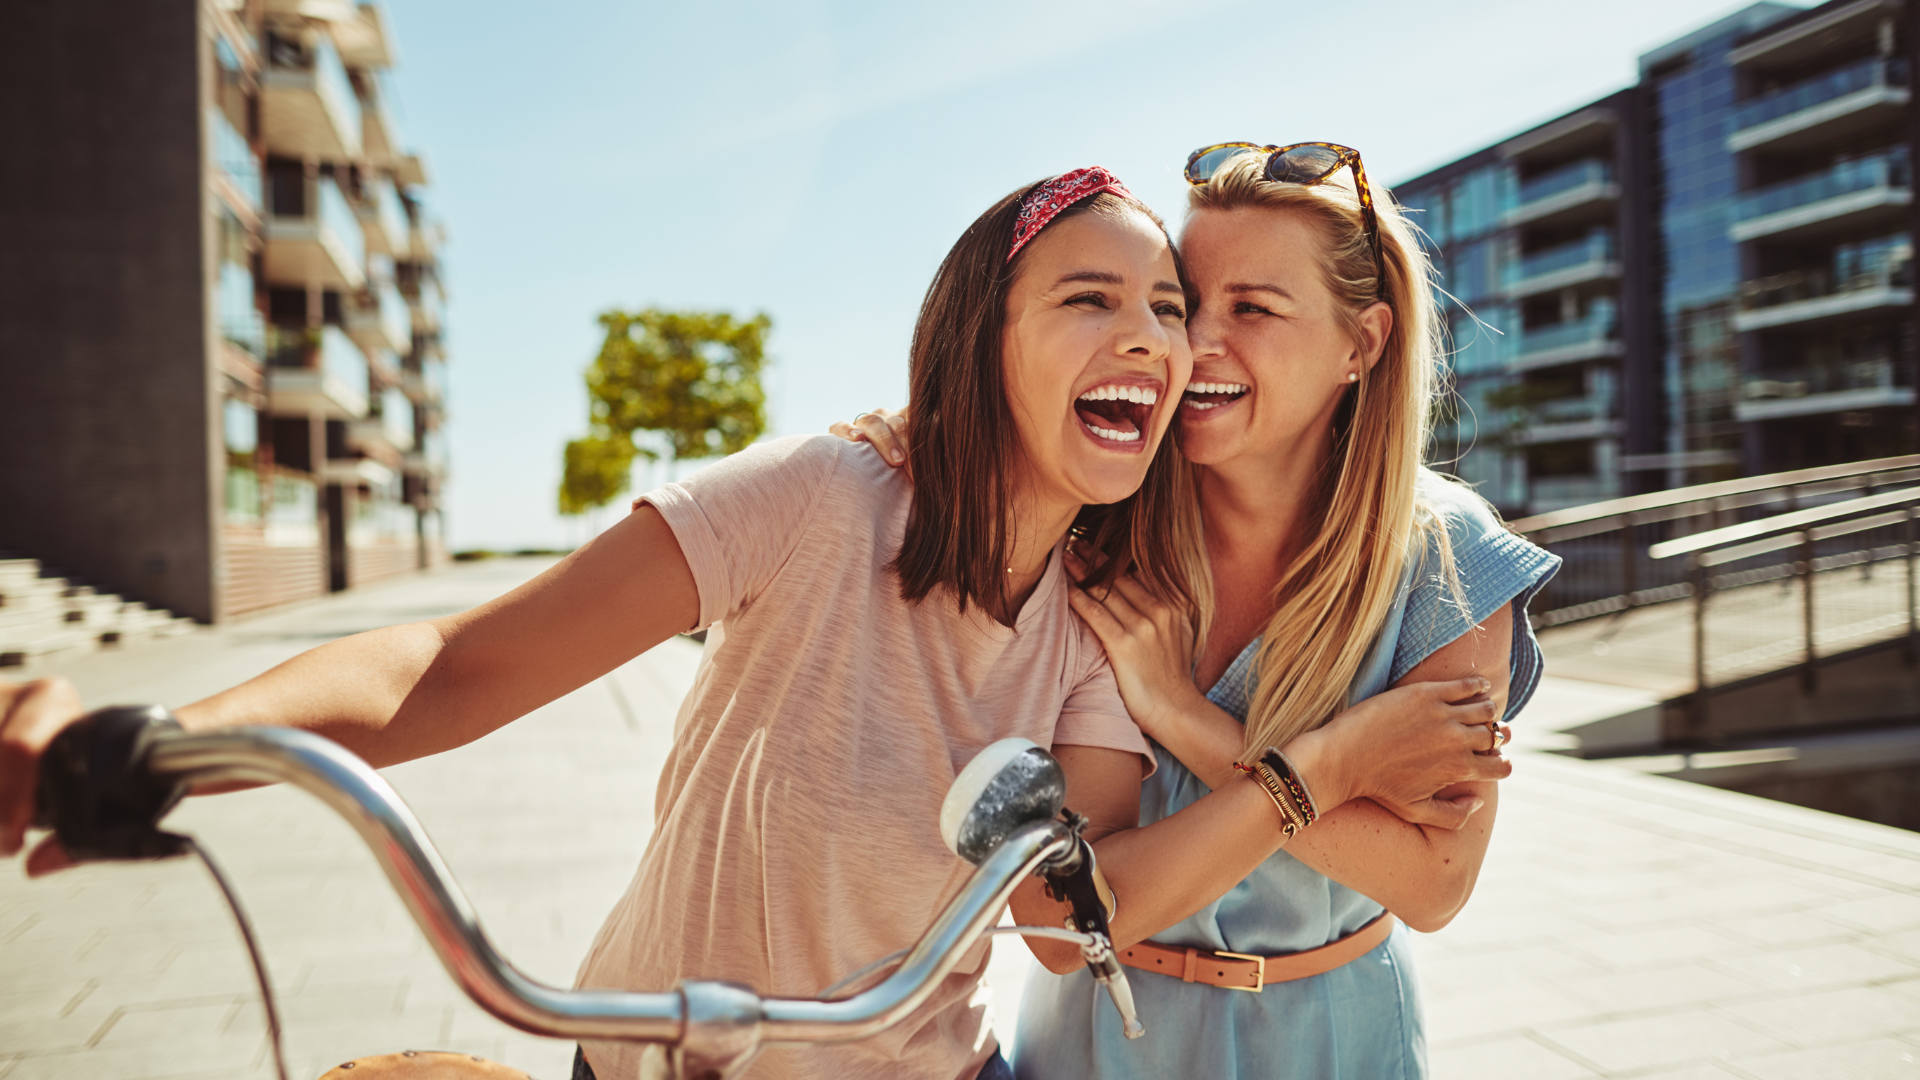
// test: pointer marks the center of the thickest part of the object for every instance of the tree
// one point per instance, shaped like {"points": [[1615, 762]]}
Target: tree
{"points": [[690, 377]]}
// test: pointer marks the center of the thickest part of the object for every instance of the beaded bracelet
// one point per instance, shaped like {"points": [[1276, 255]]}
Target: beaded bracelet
{"points": [[1296, 787], [1291, 819]]}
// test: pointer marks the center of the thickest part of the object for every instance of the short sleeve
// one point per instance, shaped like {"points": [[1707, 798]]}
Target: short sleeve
{"points": [[739, 521], [1095, 715], [1494, 568]]}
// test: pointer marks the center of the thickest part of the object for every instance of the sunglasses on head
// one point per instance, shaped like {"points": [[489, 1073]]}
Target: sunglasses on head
{"points": [[1305, 163]]}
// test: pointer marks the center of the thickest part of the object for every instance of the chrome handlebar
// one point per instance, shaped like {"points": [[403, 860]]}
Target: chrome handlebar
{"points": [[701, 1027]]}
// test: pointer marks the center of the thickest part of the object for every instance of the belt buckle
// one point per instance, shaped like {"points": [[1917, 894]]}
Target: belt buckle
{"points": [[1259, 971]]}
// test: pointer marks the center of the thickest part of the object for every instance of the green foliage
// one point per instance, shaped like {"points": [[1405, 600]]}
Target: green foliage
{"points": [[690, 377]]}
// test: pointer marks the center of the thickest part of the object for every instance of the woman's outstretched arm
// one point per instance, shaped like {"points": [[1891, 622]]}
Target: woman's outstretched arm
{"points": [[405, 692], [408, 691]]}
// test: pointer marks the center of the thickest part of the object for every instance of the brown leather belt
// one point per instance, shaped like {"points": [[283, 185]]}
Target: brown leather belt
{"points": [[1238, 971]]}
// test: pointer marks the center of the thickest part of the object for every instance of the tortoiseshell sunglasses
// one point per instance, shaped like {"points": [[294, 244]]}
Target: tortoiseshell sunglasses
{"points": [[1304, 163]]}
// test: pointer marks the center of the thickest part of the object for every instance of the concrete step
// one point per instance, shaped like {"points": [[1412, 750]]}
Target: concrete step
{"points": [[16, 622], [42, 614], [16, 652]]}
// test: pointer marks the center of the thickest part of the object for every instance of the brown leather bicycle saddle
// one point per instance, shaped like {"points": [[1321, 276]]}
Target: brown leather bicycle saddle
{"points": [[423, 1065]]}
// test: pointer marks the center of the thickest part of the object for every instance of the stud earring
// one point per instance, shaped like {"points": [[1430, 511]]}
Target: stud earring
{"points": [[1353, 376]]}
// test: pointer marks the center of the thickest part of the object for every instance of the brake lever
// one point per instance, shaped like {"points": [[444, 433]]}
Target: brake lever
{"points": [[1072, 880]]}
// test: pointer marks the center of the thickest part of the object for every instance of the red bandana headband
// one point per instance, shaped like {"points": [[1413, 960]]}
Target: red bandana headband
{"points": [[1045, 202]]}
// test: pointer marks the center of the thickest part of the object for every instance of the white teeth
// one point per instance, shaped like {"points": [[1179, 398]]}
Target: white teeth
{"points": [[1217, 388], [1139, 395], [1116, 436]]}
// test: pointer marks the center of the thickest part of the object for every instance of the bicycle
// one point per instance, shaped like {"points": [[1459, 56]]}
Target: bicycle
{"points": [[107, 781]]}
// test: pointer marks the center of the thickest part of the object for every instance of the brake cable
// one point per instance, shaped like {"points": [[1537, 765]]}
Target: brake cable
{"points": [[253, 949]]}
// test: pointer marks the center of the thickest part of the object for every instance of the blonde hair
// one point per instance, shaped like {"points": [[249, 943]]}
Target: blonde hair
{"points": [[1335, 595]]}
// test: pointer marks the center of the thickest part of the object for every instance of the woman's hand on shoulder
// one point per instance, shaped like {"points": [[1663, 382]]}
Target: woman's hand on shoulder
{"points": [[1148, 642], [1401, 748], [884, 428]]}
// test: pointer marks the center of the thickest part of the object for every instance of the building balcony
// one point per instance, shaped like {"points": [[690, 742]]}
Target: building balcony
{"points": [[364, 41], [423, 242], [1586, 187], [312, 373], [1843, 386], [307, 105], [1807, 297], [410, 169], [424, 382], [426, 316], [381, 436], [428, 457], [352, 472], [1805, 40], [1572, 420], [234, 158], [1567, 343], [1568, 265], [1823, 110], [383, 220], [377, 320], [319, 246], [379, 134], [1871, 192]]}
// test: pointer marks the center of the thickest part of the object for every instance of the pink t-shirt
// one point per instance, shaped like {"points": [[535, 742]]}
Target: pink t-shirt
{"points": [[796, 834]]}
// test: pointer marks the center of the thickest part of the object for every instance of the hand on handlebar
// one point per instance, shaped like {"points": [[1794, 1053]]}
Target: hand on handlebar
{"points": [[31, 714], [1401, 747]]}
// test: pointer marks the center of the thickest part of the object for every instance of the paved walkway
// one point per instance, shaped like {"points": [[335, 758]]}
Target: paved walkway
{"points": [[1625, 926]]}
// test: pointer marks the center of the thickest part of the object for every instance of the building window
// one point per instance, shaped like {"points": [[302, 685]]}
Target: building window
{"points": [[241, 425], [239, 311]]}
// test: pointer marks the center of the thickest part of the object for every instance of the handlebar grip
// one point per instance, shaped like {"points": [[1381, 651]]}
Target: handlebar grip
{"points": [[96, 793]]}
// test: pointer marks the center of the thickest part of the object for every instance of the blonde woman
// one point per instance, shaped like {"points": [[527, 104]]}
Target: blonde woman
{"points": [[1339, 567]]}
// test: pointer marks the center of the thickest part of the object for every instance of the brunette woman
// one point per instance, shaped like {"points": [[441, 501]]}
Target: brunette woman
{"points": [[868, 637], [1338, 567]]}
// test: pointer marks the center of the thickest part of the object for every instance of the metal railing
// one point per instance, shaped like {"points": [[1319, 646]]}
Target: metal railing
{"points": [[1831, 377], [1608, 567], [1564, 179], [1820, 281], [1596, 247], [1819, 90], [1885, 171], [1595, 329], [1810, 552]]}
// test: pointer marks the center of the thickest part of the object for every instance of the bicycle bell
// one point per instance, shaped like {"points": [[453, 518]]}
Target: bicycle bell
{"points": [[1011, 783]]}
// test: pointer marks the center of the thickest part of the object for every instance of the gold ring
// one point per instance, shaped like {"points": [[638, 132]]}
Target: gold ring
{"points": [[1493, 728]]}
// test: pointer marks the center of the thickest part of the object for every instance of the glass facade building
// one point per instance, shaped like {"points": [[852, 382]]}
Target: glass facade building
{"points": [[1704, 275]]}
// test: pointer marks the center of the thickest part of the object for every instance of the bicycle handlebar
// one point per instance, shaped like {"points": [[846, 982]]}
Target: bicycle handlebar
{"points": [[716, 1024]]}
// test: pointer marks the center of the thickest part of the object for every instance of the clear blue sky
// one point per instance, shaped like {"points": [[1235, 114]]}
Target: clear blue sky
{"points": [[814, 160]]}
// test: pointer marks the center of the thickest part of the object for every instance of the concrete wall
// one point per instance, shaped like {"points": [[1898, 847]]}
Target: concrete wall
{"points": [[1872, 685], [105, 386]]}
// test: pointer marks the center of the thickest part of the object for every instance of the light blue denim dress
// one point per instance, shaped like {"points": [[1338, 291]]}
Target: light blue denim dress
{"points": [[1361, 1021]]}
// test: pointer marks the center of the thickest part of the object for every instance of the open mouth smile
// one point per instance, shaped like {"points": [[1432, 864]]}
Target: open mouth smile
{"points": [[1202, 396], [1116, 415]]}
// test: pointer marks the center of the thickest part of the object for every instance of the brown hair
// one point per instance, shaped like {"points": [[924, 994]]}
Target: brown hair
{"points": [[965, 441], [1334, 597]]}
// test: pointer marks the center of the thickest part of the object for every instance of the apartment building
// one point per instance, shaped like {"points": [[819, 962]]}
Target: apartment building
{"points": [[1703, 275], [221, 360]]}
